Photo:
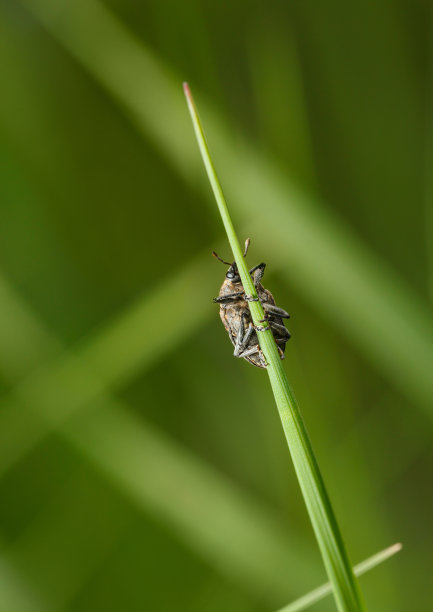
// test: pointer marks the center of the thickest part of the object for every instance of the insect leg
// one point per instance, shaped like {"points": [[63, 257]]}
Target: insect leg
{"points": [[256, 350], [249, 352], [242, 338], [229, 298], [239, 338], [282, 341], [237, 344], [280, 350], [247, 336], [257, 273], [280, 328], [275, 310], [262, 358]]}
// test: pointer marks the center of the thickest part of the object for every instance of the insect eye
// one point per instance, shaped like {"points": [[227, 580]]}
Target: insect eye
{"points": [[230, 275]]}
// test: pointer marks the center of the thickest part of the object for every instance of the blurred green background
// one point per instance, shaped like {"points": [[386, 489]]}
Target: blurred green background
{"points": [[142, 467]]}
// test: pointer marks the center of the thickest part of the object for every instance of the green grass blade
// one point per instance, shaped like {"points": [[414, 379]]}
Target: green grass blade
{"points": [[335, 271], [105, 432], [345, 586], [325, 589]]}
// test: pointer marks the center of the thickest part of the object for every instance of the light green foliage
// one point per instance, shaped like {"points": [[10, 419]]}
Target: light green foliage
{"points": [[314, 596]]}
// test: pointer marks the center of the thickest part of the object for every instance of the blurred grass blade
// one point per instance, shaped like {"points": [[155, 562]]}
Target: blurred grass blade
{"points": [[283, 120], [346, 590], [106, 48], [22, 336], [15, 594], [107, 358], [323, 259], [428, 163], [321, 592], [147, 466], [83, 539], [239, 536]]}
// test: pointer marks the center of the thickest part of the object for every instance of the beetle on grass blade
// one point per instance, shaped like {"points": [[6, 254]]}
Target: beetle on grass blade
{"points": [[236, 316]]}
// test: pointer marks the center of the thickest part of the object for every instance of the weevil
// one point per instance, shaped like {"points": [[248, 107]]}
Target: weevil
{"points": [[236, 316]]}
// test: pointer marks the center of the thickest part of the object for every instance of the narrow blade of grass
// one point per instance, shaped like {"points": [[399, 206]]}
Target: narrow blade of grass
{"points": [[145, 465], [325, 589], [348, 282], [345, 586]]}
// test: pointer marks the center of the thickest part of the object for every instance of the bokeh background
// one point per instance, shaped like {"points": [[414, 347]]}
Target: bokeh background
{"points": [[143, 467]]}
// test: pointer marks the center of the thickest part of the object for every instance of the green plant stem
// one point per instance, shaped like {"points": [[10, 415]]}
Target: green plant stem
{"points": [[322, 591], [344, 584]]}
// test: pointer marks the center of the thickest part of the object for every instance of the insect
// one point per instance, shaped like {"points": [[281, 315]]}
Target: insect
{"points": [[236, 316]]}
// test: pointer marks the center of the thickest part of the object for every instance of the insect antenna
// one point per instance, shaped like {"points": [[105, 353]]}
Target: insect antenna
{"points": [[247, 244], [219, 259]]}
